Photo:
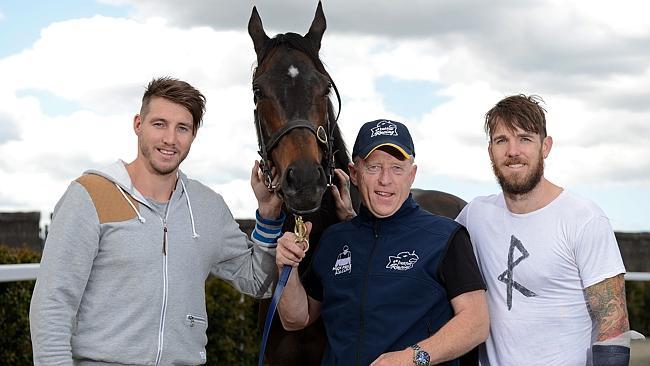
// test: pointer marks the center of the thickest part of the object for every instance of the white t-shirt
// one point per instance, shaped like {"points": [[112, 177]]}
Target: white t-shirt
{"points": [[536, 266]]}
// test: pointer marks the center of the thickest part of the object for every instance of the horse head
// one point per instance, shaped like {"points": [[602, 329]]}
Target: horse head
{"points": [[294, 116]]}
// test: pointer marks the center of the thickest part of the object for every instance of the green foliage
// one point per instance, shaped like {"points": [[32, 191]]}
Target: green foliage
{"points": [[15, 342], [16, 256], [638, 305], [233, 336]]}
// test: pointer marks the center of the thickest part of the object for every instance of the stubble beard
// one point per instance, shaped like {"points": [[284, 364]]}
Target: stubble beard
{"points": [[160, 170]]}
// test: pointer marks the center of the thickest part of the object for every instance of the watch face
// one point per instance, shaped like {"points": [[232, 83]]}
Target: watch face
{"points": [[422, 358]]}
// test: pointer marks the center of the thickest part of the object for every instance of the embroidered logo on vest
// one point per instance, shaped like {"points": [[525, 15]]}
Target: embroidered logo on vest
{"points": [[402, 261], [343, 261]]}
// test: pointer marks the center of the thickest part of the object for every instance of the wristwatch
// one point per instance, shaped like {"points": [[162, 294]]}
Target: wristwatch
{"points": [[420, 356]]}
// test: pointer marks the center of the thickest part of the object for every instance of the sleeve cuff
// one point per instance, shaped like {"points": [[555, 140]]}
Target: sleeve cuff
{"points": [[277, 222], [267, 232], [610, 355]]}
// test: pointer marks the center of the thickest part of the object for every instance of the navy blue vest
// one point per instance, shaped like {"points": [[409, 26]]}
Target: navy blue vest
{"points": [[381, 290]]}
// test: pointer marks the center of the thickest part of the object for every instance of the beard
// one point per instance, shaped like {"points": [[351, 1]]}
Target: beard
{"points": [[518, 185]]}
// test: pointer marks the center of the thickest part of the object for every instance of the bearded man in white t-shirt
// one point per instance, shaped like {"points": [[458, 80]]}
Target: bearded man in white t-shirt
{"points": [[554, 273]]}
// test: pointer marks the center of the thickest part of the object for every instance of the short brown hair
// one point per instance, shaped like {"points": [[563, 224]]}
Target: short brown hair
{"points": [[518, 111], [179, 92]]}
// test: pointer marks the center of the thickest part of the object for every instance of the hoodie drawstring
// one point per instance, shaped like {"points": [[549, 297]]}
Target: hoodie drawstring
{"points": [[142, 220], [189, 205]]}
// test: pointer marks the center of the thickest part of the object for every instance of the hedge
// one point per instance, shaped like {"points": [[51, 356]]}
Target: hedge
{"points": [[15, 343], [637, 295]]}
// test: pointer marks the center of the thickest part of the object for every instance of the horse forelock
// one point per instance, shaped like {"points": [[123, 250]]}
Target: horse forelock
{"points": [[294, 41]]}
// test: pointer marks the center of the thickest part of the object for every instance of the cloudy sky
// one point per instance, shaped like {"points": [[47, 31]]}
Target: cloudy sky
{"points": [[72, 74]]}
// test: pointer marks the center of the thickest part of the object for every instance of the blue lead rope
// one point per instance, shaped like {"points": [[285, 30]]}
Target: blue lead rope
{"points": [[282, 281]]}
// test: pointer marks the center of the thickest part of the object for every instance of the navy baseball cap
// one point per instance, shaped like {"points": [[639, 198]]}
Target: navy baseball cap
{"points": [[383, 132]]}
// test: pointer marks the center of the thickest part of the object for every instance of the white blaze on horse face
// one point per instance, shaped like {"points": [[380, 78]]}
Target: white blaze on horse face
{"points": [[293, 71]]}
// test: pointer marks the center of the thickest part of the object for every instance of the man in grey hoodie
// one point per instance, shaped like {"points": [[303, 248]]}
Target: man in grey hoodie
{"points": [[130, 246]]}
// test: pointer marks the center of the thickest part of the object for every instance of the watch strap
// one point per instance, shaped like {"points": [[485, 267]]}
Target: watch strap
{"points": [[418, 352]]}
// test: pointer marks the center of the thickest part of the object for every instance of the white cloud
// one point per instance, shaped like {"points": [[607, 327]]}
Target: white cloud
{"points": [[626, 17], [103, 65], [8, 129], [590, 68]]}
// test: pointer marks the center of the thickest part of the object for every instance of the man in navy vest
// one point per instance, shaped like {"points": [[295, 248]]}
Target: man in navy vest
{"points": [[395, 285]]}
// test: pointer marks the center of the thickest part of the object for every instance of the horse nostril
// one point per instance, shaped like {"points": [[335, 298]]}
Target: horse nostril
{"points": [[321, 173], [291, 176]]}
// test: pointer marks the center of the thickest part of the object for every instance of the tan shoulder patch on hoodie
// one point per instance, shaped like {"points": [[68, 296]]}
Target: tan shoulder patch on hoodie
{"points": [[109, 202]]}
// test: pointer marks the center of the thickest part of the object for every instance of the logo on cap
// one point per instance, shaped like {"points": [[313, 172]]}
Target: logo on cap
{"points": [[384, 128]]}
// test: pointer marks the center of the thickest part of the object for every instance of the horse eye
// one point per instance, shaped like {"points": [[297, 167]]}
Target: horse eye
{"points": [[257, 92], [328, 90]]}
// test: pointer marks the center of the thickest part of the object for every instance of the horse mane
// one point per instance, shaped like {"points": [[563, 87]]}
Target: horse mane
{"points": [[341, 154]]}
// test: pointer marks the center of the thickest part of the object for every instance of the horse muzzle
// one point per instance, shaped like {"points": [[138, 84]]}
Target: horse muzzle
{"points": [[302, 187]]}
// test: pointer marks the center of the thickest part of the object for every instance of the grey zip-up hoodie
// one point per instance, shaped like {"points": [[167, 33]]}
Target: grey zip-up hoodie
{"points": [[120, 283]]}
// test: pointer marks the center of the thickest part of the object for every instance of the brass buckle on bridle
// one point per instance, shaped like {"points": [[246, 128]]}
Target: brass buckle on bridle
{"points": [[301, 232]]}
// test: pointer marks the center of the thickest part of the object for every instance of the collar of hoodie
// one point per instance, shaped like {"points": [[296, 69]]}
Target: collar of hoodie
{"points": [[187, 198]]}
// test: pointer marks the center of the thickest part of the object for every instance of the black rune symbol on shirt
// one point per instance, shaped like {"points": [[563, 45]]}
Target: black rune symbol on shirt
{"points": [[507, 276]]}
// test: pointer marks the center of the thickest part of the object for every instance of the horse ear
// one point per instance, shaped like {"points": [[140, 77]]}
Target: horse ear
{"points": [[317, 28], [256, 31]]}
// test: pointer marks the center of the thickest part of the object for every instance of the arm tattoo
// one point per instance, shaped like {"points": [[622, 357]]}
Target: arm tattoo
{"points": [[606, 302]]}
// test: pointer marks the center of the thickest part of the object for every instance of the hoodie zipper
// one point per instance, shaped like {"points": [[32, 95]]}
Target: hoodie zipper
{"points": [[364, 291], [163, 312]]}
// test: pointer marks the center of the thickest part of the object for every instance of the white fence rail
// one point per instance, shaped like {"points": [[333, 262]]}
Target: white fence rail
{"points": [[28, 272], [637, 276], [18, 272]]}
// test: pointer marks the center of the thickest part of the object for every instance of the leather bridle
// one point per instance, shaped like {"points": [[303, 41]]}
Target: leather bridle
{"points": [[324, 135]]}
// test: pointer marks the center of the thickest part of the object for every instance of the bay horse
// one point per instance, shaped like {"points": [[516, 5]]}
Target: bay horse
{"points": [[298, 136]]}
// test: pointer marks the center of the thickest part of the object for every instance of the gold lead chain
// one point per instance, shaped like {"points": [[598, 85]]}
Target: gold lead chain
{"points": [[301, 232]]}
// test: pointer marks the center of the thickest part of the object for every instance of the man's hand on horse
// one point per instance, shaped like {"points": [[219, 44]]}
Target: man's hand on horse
{"points": [[290, 251], [342, 199], [268, 202]]}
